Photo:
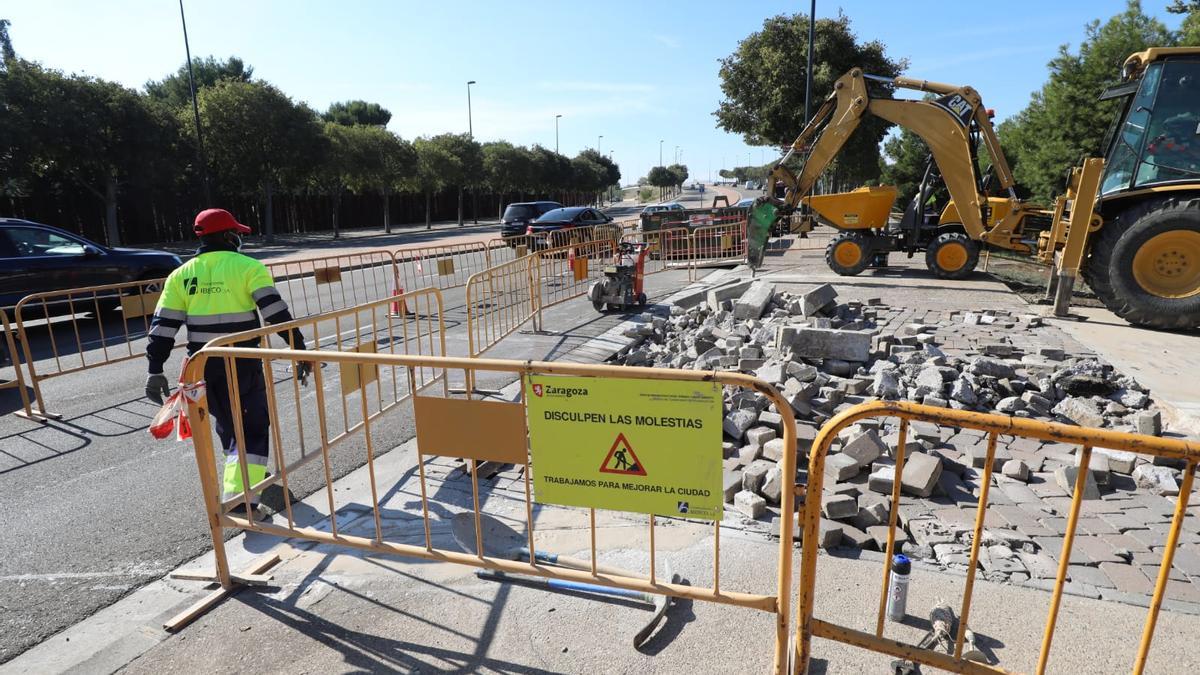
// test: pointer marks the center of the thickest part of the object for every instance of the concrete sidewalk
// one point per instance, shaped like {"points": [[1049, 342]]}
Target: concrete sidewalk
{"points": [[332, 610]]}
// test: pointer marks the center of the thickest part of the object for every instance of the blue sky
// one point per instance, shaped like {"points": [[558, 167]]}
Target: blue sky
{"points": [[634, 72]]}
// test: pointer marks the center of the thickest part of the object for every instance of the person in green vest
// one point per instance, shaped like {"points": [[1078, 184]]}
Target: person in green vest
{"points": [[218, 292]]}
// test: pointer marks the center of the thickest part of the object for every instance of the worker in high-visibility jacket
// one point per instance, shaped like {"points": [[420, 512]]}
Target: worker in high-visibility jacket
{"points": [[216, 293]]}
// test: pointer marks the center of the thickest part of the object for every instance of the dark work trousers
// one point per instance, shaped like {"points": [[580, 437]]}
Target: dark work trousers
{"points": [[252, 389]]}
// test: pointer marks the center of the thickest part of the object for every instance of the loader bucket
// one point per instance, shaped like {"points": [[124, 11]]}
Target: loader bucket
{"points": [[758, 229]]}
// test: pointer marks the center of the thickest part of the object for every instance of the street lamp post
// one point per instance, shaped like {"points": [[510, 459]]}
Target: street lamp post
{"points": [[676, 155], [470, 125], [474, 195], [660, 152], [812, 27], [598, 139], [556, 133], [196, 114]]}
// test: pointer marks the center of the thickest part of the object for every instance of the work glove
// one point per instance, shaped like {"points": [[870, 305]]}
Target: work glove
{"points": [[157, 389], [303, 369]]}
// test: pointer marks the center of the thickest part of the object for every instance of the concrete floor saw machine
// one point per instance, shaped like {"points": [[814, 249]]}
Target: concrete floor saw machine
{"points": [[622, 284]]}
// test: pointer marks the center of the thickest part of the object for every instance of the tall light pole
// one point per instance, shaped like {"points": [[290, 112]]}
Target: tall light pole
{"points": [[470, 125], [556, 133], [598, 139], [474, 195], [196, 113], [660, 152], [812, 28], [676, 154]]}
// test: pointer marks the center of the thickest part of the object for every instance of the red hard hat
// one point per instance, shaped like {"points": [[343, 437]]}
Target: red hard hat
{"points": [[211, 221]]}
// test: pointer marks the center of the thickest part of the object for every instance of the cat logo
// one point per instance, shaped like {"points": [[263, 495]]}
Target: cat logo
{"points": [[957, 106]]}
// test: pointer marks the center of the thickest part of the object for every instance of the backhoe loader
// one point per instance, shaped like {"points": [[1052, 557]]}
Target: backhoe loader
{"points": [[1128, 223]]}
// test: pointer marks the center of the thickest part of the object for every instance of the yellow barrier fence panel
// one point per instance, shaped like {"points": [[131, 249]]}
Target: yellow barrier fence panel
{"points": [[64, 332], [443, 266], [370, 328], [499, 299], [17, 381], [808, 625], [316, 285], [722, 242], [497, 434], [557, 274], [668, 248]]}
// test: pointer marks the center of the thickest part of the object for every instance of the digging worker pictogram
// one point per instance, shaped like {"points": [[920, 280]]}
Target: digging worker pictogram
{"points": [[216, 293]]}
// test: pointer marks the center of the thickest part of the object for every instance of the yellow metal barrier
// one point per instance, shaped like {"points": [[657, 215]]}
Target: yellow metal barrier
{"points": [[444, 266], [85, 328], [720, 243], [560, 274], [408, 325], [809, 626], [505, 249], [18, 380], [499, 300], [322, 284], [668, 248], [502, 440], [581, 235]]}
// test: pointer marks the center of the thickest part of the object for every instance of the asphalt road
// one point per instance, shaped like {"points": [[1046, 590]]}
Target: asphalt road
{"points": [[93, 507]]}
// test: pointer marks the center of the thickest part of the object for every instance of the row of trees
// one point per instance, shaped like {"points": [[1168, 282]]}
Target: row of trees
{"points": [[73, 148], [668, 179]]}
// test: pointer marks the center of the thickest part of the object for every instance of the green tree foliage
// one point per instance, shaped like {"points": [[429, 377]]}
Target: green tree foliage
{"points": [[6, 48], [764, 85], [395, 165], [680, 172], [174, 91], [909, 156], [1189, 31], [551, 170], [80, 131], [437, 165], [468, 170], [258, 139], [1064, 122], [349, 113], [662, 178], [65, 139], [506, 168]]}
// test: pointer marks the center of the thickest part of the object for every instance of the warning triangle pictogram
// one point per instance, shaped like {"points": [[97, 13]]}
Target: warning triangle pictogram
{"points": [[622, 459]]}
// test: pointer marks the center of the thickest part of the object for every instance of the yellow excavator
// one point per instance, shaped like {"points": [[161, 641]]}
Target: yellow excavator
{"points": [[1128, 223]]}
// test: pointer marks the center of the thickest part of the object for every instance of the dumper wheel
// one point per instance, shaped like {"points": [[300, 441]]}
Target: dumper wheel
{"points": [[952, 255], [849, 253], [1144, 265]]}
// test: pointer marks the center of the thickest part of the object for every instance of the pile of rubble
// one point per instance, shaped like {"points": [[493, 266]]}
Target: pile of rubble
{"points": [[825, 356]]}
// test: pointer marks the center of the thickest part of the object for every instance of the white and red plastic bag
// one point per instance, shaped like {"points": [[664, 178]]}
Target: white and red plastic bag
{"points": [[173, 415]]}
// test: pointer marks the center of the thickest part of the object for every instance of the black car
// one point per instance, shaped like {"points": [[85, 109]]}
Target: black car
{"points": [[567, 218], [517, 217], [36, 258]]}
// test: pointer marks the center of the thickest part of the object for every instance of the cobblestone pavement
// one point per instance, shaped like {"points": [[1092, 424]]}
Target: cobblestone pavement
{"points": [[1121, 532]]}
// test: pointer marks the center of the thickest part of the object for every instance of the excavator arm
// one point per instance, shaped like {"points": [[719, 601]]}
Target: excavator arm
{"points": [[944, 123]]}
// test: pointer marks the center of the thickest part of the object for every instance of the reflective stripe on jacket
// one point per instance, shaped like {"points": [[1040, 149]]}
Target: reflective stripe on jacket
{"points": [[214, 294]]}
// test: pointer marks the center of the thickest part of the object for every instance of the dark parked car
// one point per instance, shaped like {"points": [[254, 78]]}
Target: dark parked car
{"points": [[518, 216], [568, 218], [36, 258]]}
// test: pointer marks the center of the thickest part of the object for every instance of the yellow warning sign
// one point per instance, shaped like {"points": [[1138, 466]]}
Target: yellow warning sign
{"points": [[648, 446]]}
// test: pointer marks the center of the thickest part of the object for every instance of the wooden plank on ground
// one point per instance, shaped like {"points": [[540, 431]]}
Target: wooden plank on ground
{"points": [[211, 600]]}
